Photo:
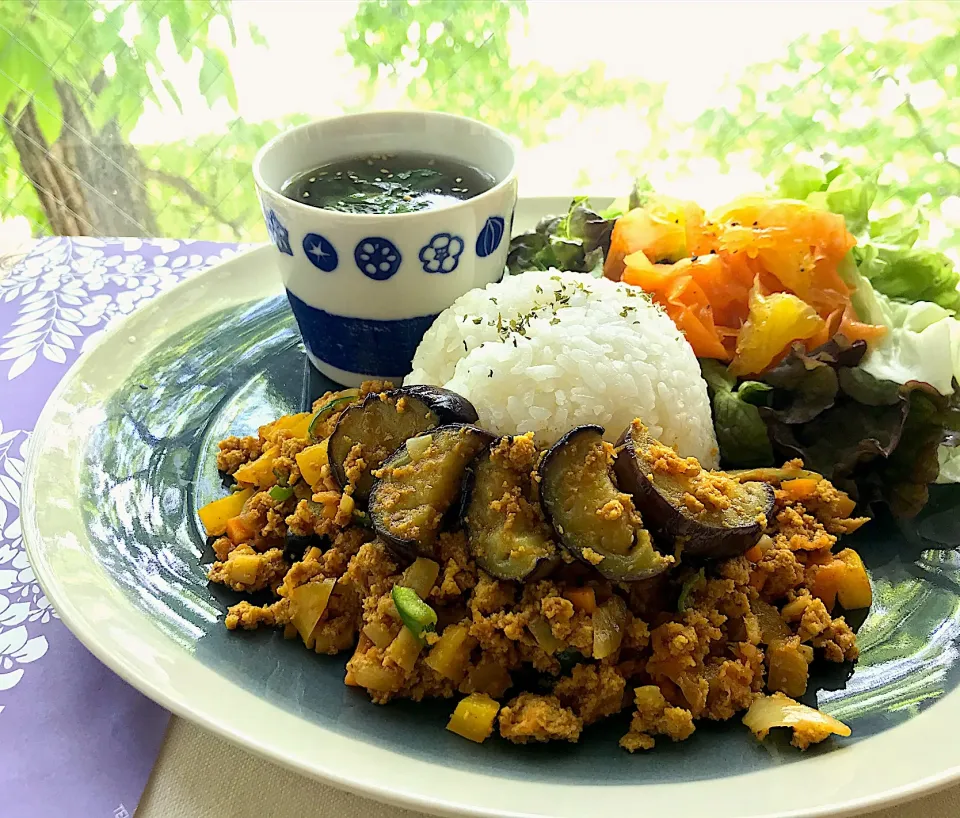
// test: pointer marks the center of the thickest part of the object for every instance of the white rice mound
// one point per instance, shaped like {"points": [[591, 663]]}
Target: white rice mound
{"points": [[585, 350]]}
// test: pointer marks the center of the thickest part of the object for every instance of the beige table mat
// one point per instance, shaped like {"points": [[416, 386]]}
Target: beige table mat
{"points": [[200, 775]]}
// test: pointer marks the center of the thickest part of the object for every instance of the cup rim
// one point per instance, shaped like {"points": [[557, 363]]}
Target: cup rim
{"points": [[305, 209]]}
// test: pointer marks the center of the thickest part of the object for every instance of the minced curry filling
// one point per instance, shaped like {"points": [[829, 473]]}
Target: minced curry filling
{"points": [[533, 646]]}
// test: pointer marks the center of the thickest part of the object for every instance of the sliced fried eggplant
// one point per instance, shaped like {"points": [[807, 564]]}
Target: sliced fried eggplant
{"points": [[506, 530], [367, 433], [448, 406], [419, 483], [594, 520], [710, 514]]}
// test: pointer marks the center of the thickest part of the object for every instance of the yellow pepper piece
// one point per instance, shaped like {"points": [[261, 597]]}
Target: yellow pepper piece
{"points": [[774, 321], [854, 590], [405, 649], [214, 515], [260, 472], [242, 568], [297, 425], [421, 576], [474, 717], [450, 656], [311, 462]]}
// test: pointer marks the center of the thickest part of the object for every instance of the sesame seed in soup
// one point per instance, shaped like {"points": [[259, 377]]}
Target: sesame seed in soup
{"points": [[388, 183]]}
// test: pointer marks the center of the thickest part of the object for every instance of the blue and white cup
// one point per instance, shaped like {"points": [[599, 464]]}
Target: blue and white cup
{"points": [[364, 288]]}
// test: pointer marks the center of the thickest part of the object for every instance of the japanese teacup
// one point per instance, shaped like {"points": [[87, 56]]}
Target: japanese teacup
{"points": [[364, 288]]}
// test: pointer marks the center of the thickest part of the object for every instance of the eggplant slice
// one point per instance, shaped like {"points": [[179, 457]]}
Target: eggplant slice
{"points": [[446, 404], [419, 483], [506, 530], [367, 433], [708, 513], [596, 522]]}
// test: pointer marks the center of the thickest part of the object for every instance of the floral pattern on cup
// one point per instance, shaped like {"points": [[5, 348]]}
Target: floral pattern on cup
{"points": [[321, 253], [490, 236], [279, 234], [378, 258], [442, 253]]}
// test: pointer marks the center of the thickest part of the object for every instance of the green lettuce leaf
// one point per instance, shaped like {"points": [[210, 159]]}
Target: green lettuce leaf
{"points": [[922, 344], [931, 355], [755, 392], [800, 180], [741, 432], [910, 273], [877, 439], [949, 462], [851, 196], [576, 241], [807, 383], [902, 228], [886, 253], [922, 341]]}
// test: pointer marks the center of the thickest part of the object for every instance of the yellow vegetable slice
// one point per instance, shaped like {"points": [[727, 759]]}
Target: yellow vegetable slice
{"points": [[214, 515], [543, 633], [474, 717], [809, 726], [297, 425], [421, 576], [260, 472], [242, 568], [451, 654], [775, 321], [378, 634], [608, 625], [308, 603], [405, 649], [311, 462], [854, 590]]}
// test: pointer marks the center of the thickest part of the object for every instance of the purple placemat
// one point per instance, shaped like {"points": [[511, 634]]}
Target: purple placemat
{"points": [[75, 740]]}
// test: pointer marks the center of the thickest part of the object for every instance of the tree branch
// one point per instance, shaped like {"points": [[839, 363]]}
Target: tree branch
{"points": [[195, 196]]}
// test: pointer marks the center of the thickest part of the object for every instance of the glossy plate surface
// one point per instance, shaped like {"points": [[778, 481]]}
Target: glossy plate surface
{"points": [[123, 455]]}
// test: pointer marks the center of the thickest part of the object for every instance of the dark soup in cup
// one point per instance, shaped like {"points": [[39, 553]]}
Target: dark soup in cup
{"points": [[388, 183]]}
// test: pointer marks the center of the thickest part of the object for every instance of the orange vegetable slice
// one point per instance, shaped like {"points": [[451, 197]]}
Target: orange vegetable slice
{"points": [[760, 274], [856, 330], [801, 488], [583, 599], [664, 231]]}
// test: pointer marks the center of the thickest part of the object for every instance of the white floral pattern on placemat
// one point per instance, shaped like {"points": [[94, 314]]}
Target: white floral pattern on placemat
{"points": [[59, 298], [67, 291], [23, 607]]}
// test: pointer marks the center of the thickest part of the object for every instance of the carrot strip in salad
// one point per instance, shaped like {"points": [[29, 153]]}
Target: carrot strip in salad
{"points": [[743, 285]]}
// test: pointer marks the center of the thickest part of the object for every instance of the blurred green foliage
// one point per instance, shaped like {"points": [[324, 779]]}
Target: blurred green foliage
{"points": [[454, 55], [220, 168], [886, 101], [101, 58]]}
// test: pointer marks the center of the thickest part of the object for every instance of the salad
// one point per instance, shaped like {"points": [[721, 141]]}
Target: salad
{"points": [[823, 334]]}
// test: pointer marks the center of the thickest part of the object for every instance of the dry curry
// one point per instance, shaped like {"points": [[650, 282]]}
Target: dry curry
{"points": [[548, 590]]}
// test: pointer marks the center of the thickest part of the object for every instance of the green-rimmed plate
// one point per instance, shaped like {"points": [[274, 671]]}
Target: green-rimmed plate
{"points": [[123, 455]]}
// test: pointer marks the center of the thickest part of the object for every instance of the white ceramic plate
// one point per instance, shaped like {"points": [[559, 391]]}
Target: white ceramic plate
{"points": [[109, 522]]}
